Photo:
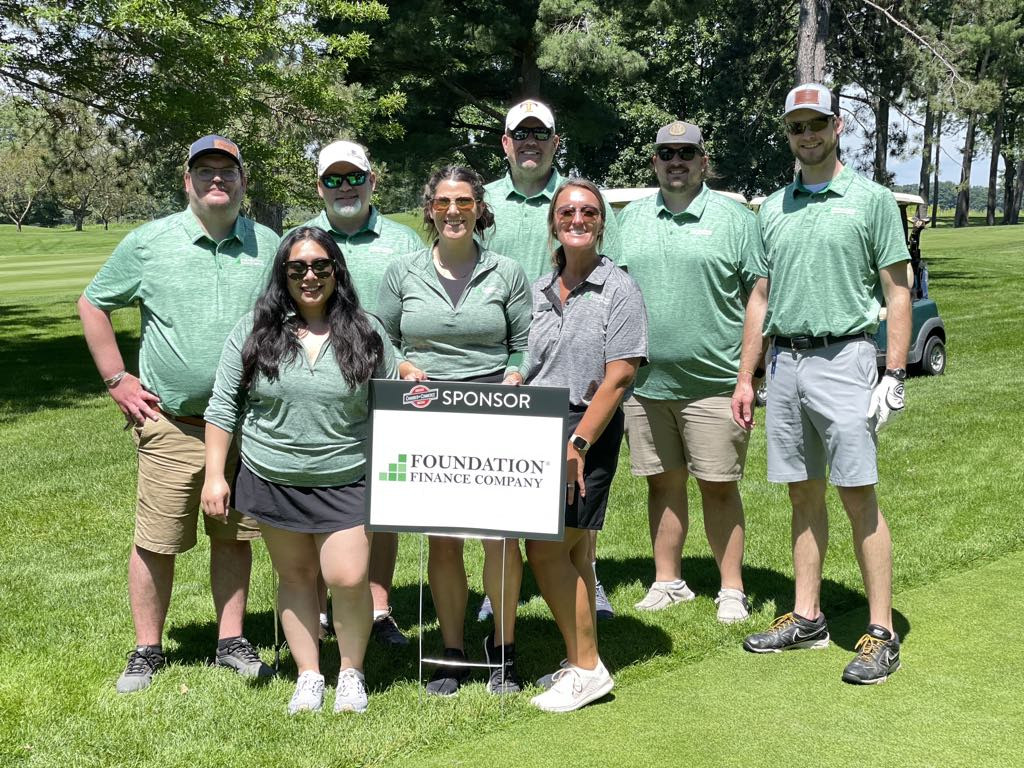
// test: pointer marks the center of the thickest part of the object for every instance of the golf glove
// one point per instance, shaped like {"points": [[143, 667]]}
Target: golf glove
{"points": [[886, 401]]}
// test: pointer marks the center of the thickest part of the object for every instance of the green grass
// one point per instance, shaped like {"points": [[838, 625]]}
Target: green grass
{"points": [[952, 470]]}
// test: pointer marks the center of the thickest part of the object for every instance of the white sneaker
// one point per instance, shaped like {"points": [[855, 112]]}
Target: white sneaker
{"points": [[309, 693], [662, 594], [351, 693], [732, 606], [573, 688]]}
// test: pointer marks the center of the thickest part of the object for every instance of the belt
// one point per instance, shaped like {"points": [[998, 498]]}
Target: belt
{"points": [[814, 342], [193, 421]]}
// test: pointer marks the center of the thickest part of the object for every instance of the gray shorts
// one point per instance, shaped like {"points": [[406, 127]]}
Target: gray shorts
{"points": [[817, 414]]}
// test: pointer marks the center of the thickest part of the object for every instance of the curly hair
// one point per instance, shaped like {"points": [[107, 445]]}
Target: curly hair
{"points": [[485, 217], [274, 338], [557, 255]]}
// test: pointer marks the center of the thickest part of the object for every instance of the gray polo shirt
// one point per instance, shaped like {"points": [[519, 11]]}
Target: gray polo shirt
{"points": [[604, 319]]}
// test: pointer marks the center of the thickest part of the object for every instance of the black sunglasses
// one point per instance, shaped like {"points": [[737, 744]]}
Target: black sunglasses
{"points": [[296, 270], [540, 134], [797, 127], [685, 153], [334, 180]]}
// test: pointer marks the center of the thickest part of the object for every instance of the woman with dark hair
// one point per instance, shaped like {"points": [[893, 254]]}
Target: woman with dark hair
{"points": [[589, 334], [294, 377], [458, 312]]}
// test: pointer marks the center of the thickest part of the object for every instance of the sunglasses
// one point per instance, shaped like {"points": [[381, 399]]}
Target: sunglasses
{"points": [[442, 204], [567, 213], [296, 270], [334, 180], [206, 173], [685, 153], [798, 127], [540, 134]]}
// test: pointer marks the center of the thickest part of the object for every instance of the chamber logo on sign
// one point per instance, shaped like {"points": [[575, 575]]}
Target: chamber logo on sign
{"points": [[420, 396], [449, 469]]}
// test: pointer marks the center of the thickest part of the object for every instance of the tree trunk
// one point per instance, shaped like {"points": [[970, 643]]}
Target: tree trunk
{"points": [[529, 73], [1018, 195], [268, 214], [1010, 180], [938, 155], [926, 159], [993, 167], [963, 198], [811, 37], [881, 175]]}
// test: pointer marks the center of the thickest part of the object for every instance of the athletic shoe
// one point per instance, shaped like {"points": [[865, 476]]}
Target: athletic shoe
{"points": [[486, 611], [548, 680], [663, 594], [326, 630], [878, 656], [787, 633], [732, 606], [351, 693], [447, 680], [503, 678], [143, 662], [240, 656], [573, 688], [386, 632], [309, 693], [602, 603]]}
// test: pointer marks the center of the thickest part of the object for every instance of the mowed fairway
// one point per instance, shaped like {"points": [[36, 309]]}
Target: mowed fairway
{"points": [[686, 694]]}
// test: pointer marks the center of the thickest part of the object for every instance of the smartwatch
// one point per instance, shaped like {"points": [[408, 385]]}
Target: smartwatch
{"points": [[581, 443]]}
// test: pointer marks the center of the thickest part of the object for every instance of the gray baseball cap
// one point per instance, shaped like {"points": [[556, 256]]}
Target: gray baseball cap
{"points": [[678, 132]]}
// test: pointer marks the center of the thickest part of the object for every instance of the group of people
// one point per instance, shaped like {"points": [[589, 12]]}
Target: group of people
{"points": [[251, 401]]}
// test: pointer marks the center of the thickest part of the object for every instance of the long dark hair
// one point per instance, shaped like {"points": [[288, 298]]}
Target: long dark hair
{"points": [[274, 338], [457, 173], [557, 254]]}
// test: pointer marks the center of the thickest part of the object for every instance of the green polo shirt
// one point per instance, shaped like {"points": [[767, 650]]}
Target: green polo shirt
{"points": [[696, 269], [307, 427], [191, 292], [521, 225], [485, 332], [824, 252], [369, 251]]}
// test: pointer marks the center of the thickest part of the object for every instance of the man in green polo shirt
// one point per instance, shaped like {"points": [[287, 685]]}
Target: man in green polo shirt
{"points": [[193, 275], [520, 201], [835, 248], [695, 255], [369, 242]]}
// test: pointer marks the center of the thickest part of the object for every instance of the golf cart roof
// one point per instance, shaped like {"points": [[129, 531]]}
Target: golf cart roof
{"points": [[621, 196]]}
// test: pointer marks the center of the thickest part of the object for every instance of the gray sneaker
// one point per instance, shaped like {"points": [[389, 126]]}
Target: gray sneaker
{"points": [[240, 656], [602, 604], [143, 662], [486, 611]]}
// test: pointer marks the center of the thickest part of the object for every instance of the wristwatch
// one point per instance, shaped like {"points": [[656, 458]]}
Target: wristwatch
{"points": [[581, 443], [900, 374]]}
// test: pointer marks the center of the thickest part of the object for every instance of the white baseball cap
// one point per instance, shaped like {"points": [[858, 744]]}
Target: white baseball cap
{"points": [[813, 96], [529, 108], [342, 152]]}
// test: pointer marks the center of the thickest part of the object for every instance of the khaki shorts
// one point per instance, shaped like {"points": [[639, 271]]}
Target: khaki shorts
{"points": [[172, 468], [665, 435]]}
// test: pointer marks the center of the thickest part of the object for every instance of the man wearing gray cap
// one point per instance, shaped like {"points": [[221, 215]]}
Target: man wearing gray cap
{"points": [[695, 255], [369, 242], [834, 249], [193, 275]]}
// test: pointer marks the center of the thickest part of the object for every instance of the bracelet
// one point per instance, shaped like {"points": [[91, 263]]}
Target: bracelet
{"points": [[114, 380], [746, 370]]}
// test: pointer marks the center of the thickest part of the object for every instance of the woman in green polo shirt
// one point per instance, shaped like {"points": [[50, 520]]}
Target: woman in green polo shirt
{"points": [[294, 377], [458, 312]]}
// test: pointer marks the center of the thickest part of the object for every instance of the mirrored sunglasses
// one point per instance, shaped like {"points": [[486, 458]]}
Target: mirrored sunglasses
{"points": [[540, 134], [334, 180]]}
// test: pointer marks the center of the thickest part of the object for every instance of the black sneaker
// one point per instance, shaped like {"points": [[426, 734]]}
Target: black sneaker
{"points": [[143, 662], [503, 678], [447, 680], [787, 633], [386, 632], [878, 656], [240, 656]]}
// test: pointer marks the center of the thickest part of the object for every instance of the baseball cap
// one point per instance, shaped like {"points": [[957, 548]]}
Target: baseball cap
{"points": [[678, 132], [214, 144], [813, 96], [529, 108], [342, 152]]}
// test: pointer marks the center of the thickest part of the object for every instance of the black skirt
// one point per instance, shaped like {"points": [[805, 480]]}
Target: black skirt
{"points": [[599, 467]]}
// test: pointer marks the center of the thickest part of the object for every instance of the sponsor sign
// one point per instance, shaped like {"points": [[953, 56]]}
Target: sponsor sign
{"points": [[467, 459]]}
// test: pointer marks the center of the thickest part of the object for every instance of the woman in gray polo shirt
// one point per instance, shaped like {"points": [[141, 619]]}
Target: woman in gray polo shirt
{"points": [[459, 312], [589, 334], [294, 377]]}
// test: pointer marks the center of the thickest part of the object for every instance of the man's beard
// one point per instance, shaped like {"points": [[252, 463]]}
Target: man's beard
{"points": [[347, 210]]}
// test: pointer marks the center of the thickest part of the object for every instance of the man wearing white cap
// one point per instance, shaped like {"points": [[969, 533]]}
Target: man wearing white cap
{"points": [[369, 242], [695, 255], [834, 250]]}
